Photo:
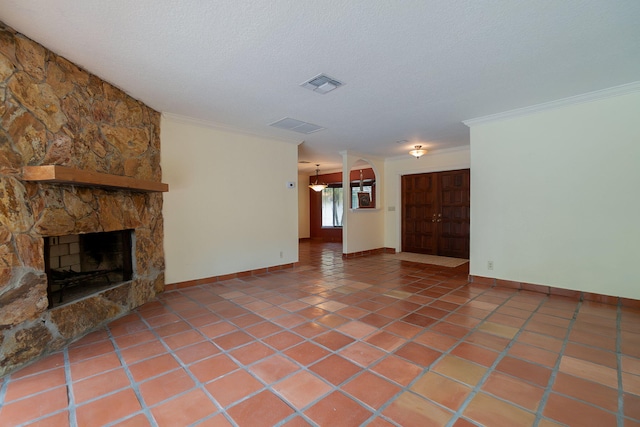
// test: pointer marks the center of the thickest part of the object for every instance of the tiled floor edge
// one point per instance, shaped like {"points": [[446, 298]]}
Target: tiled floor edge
{"points": [[369, 252], [550, 290], [238, 275]]}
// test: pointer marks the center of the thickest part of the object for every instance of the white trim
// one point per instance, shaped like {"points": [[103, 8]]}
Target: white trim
{"points": [[218, 126], [564, 102]]}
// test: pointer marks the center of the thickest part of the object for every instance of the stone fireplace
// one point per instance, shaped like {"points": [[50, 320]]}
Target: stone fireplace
{"points": [[78, 157]]}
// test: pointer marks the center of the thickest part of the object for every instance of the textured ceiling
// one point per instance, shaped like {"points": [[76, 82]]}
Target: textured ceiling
{"points": [[413, 69]]}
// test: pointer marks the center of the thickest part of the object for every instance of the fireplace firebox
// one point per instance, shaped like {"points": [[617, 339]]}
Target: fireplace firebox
{"points": [[83, 264]]}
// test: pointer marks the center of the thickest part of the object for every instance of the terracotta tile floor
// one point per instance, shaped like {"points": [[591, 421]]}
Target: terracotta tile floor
{"points": [[367, 341]]}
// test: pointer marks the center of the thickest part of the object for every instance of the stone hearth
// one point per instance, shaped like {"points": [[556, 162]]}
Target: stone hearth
{"points": [[54, 113]]}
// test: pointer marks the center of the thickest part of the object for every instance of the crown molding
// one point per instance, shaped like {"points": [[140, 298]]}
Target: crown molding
{"points": [[225, 128], [564, 102]]}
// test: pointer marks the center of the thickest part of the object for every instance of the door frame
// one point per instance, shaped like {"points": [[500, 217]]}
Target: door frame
{"points": [[398, 193]]}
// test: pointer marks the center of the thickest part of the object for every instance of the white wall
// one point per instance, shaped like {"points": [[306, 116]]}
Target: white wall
{"points": [[436, 161], [362, 229], [228, 208], [555, 197], [304, 220]]}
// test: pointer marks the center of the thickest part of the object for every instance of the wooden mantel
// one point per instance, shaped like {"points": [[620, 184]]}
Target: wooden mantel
{"points": [[65, 175]]}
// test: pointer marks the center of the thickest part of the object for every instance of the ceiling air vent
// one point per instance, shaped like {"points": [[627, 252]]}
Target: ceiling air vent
{"points": [[322, 84], [296, 125]]}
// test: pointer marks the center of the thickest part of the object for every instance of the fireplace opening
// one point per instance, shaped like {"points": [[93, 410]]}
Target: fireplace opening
{"points": [[79, 265]]}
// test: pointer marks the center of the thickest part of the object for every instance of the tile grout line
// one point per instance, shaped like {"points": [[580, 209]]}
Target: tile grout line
{"points": [[310, 339], [245, 368], [334, 388], [452, 290], [280, 352], [198, 384], [556, 368], [593, 405], [407, 388], [71, 418], [132, 383], [377, 412], [426, 369], [333, 328], [73, 421], [476, 389], [306, 339]]}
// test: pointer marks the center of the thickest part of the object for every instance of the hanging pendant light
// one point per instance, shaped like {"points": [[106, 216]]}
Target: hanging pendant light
{"points": [[418, 152], [316, 186]]}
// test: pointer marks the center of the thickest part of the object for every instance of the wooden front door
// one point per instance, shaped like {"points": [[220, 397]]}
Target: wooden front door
{"points": [[435, 213], [419, 209]]}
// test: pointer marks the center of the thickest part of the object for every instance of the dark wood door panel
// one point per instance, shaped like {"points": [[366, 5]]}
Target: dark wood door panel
{"points": [[436, 213], [455, 212], [455, 208], [419, 197]]}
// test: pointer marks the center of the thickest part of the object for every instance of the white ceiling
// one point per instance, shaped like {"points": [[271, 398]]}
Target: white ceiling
{"points": [[413, 69]]}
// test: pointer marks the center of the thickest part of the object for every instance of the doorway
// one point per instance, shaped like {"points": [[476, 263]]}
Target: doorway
{"points": [[436, 213]]}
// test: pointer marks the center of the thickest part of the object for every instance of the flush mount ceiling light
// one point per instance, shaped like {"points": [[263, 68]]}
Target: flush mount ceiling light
{"points": [[296, 125], [322, 84], [418, 152], [317, 186]]}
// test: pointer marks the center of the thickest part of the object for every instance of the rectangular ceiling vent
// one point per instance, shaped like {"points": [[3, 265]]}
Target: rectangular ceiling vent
{"points": [[296, 125], [322, 84]]}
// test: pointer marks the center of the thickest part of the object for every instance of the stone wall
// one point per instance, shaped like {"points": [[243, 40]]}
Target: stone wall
{"points": [[53, 112]]}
